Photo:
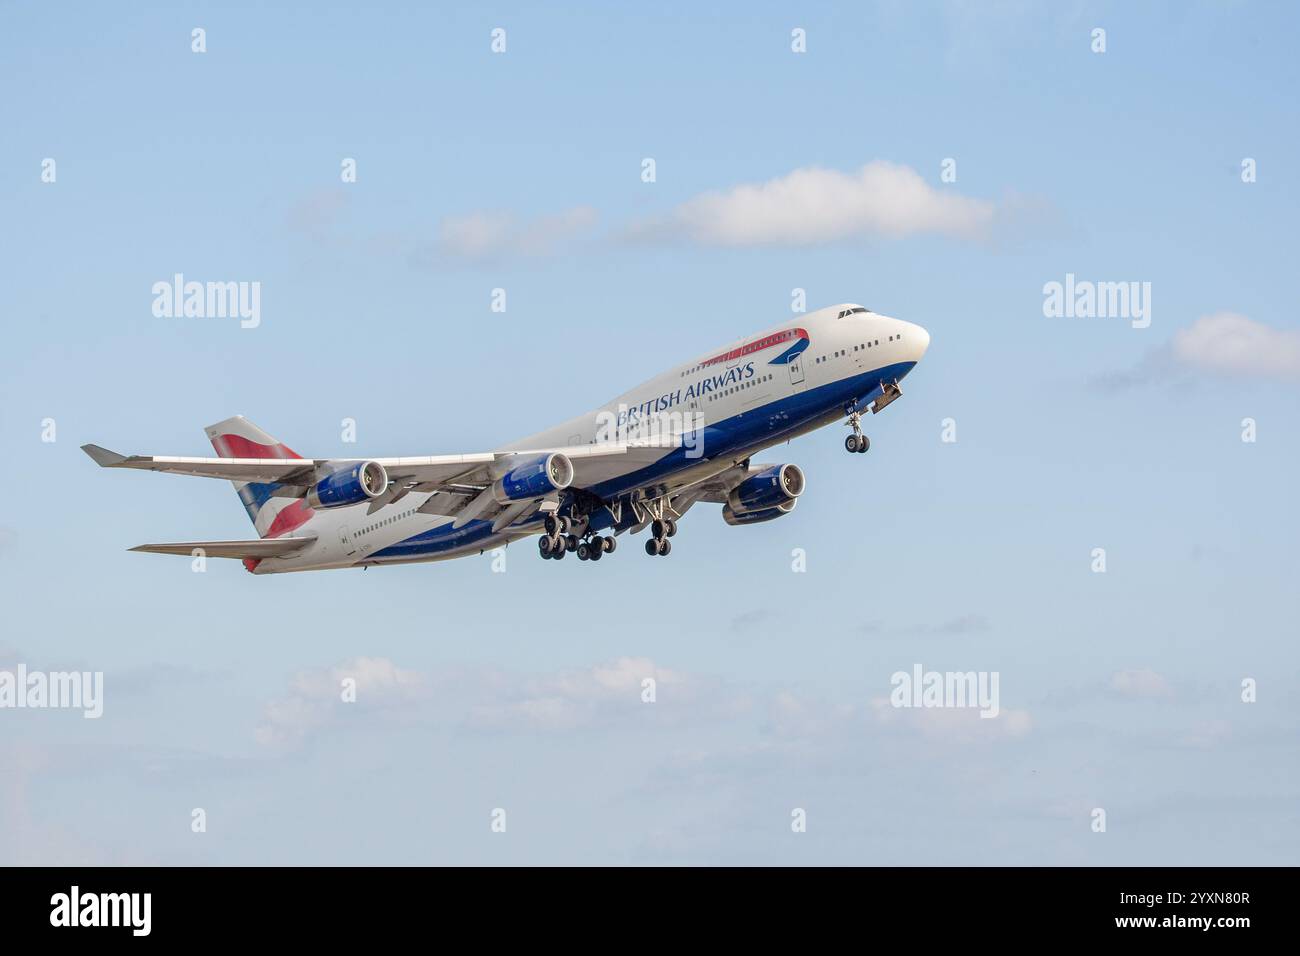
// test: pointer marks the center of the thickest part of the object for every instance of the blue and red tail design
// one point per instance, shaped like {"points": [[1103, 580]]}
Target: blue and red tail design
{"points": [[272, 515]]}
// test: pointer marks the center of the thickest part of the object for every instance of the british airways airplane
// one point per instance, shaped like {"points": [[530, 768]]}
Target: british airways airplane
{"points": [[643, 459]]}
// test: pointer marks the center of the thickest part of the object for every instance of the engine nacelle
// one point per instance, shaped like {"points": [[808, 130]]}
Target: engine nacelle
{"points": [[534, 478], [770, 488], [358, 482], [755, 517]]}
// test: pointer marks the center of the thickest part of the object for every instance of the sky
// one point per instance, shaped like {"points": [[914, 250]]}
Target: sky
{"points": [[943, 163]]}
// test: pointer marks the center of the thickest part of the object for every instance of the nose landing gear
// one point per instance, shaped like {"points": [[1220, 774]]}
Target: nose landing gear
{"points": [[857, 442]]}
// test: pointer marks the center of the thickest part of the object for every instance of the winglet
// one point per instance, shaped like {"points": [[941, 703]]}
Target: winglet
{"points": [[102, 456]]}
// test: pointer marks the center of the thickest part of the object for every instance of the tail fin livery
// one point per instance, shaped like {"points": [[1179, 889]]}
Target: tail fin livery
{"points": [[272, 514]]}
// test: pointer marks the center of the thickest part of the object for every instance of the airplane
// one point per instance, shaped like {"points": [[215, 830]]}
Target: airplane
{"points": [[643, 459]]}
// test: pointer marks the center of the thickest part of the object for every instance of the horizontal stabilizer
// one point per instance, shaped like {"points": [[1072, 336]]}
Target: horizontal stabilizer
{"points": [[103, 457], [259, 548]]}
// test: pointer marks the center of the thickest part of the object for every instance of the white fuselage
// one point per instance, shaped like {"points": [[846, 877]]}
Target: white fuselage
{"points": [[758, 391]]}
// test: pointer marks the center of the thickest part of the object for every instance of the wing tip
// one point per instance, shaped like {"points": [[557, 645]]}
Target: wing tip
{"points": [[102, 456]]}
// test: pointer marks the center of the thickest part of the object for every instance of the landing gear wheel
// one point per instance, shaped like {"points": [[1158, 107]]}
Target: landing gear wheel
{"points": [[652, 547], [544, 546], [595, 551], [571, 542], [557, 554], [863, 444], [608, 544], [851, 443], [658, 528], [584, 552], [671, 529], [551, 524], [665, 546]]}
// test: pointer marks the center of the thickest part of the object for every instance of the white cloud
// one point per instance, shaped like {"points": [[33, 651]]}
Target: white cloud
{"points": [[813, 206], [319, 212], [595, 696], [1225, 345], [1208, 734], [487, 699], [487, 235], [1140, 683], [959, 725], [1230, 344], [790, 715], [316, 697]]}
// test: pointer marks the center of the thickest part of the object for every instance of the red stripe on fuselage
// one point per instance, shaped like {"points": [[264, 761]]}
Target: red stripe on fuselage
{"points": [[749, 348]]}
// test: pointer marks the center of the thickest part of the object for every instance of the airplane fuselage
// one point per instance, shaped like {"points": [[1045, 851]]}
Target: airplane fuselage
{"points": [[736, 400]]}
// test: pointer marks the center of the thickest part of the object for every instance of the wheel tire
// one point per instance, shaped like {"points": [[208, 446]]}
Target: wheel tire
{"points": [[851, 443], [608, 544], [544, 546], [671, 529], [657, 528], [566, 525], [550, 524], [558, 554], [596, 552], [864, 445], [652, 547], [584, 553], [571, 543], [665, 546]]}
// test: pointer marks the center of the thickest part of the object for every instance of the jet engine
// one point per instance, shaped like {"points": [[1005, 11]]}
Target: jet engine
{"points": [[755, 517], [358, 482], [767, 489], [533, 478]]}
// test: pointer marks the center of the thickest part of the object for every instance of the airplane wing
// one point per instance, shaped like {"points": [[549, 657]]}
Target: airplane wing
{"points": [[716, 488], [300, 472], [591, 464], [258, 548]]}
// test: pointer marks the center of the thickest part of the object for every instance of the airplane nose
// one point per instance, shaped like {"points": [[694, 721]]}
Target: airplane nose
{"points": [[918, 340]]}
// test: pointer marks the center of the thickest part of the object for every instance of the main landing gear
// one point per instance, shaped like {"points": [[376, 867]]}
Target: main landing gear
{"points": [[595, 547], [555, 543], [857, 442], [661, 529], [560, 539]]}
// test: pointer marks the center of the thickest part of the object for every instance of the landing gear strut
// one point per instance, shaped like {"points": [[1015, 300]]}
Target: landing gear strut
{"points": [[857, 442], [659, 512]]}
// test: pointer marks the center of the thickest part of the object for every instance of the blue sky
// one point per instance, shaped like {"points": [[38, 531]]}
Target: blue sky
{"points": [[521, 690]]}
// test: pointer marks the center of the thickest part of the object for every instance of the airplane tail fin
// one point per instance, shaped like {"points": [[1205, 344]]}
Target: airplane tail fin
{"points": [[272, 509]]}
